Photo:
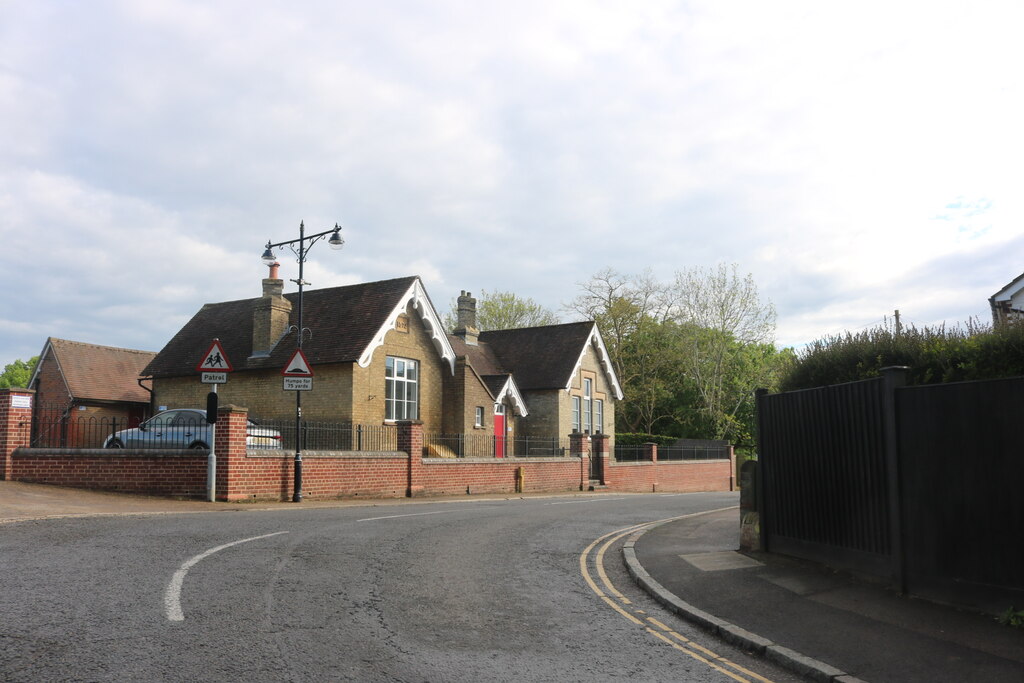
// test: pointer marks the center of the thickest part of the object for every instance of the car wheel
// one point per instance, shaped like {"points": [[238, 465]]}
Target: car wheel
{"points": [[115, 443], [199, 446]]}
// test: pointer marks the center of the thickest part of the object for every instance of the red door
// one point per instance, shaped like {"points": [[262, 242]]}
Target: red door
{"points": [[499, 431]]}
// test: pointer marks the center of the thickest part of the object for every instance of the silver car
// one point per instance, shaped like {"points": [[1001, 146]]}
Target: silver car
{"points": [[185, 428]]}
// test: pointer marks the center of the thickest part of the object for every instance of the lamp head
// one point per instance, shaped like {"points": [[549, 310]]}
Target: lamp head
{"points": [[336, 241], [268, 257]]}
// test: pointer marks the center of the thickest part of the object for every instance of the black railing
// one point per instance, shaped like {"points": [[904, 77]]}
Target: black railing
{"points": [[490, 446], [336, 436], [693, 453], [67, 432], [631, 453]]}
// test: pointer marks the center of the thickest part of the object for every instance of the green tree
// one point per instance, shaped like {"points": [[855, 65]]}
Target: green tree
{"points": [[18, 373], [504, 311], [727, 334], [689, 354]]}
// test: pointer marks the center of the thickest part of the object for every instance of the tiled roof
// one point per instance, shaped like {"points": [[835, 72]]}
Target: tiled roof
{"points": [[342, 321], [539, 357], [101, 373], [480, 356]]}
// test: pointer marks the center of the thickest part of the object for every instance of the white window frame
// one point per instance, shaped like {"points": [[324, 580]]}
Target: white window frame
{"points": [[401, 393], [576, 413], [598, 416], [479, 416], [588, 416]]}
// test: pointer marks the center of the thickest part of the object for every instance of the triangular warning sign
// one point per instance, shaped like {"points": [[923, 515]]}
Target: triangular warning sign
{"points": [[298, 366], [215, 360]]}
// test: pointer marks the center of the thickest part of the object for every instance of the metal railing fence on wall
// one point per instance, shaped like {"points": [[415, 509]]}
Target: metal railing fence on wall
{"points": [[641, 453], [55, 430], [488, 446], [335, 436]]}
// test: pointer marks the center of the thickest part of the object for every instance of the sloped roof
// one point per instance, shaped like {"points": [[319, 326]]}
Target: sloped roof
{"points": [[344, 323], [1009, 290], [539, 357], [99, 373]]}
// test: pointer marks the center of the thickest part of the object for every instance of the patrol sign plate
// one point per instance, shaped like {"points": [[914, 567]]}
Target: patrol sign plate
{"points": [[298, 383]]}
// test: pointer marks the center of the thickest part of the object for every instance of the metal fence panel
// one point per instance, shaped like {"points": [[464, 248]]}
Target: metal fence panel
{"points": [[962, 467], [823, 457]]}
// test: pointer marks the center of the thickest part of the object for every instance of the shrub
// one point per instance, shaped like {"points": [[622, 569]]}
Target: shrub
{"points": [[933, 355]]}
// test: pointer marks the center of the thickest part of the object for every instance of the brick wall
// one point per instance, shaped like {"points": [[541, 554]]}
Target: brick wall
{"points": [[268, 475], [176, 473], [15, 425]]}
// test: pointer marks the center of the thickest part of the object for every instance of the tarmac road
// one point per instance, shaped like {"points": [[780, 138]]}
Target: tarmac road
{"points": [[456, 590]]}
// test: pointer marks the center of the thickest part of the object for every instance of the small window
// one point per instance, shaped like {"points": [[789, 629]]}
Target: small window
{"points": [[479, 416], [576, 413], [598, 416]]}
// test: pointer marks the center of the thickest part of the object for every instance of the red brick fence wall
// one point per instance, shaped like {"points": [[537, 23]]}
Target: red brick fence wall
{"points": [[268, 475]]}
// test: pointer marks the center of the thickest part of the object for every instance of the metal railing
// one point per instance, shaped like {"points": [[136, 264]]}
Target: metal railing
{"points": [[439, 445], [693, 453], [57, 431], [336, 436], [638, 453]]}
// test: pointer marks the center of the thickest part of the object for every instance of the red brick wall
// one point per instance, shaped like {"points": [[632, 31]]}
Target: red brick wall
{"points": [[15, 426], [670, 476], [156, 473], [268, 475]]}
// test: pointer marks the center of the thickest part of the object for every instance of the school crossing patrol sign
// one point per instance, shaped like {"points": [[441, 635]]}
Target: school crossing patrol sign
{"points": [[215, 365]]}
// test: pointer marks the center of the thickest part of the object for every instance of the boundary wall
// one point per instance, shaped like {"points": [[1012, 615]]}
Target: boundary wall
{"points": [[249, 475]]}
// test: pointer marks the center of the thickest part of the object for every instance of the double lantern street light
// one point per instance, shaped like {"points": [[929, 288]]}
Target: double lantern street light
{"points": [[300, 247]]}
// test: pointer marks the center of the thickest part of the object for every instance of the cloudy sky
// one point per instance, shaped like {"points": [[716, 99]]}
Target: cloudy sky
{"points": [[856, 158]]}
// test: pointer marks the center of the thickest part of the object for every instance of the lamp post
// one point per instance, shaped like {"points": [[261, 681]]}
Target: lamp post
{"points": [[300, 247]]}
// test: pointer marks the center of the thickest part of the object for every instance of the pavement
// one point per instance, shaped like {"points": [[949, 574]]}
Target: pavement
{"points": [[822, 624]]}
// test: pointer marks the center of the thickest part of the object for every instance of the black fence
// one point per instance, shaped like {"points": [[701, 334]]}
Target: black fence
{"points": [[490, 446], [639, 453], [60, 431], [335, 436], [920, 485]]}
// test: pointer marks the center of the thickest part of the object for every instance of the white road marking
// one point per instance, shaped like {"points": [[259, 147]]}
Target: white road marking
{"points": [[420, 514], [591, 500], [172, 596]]}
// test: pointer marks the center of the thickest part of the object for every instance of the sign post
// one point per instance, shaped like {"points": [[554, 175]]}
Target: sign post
{"points": [[298, 377], [213, 369]]}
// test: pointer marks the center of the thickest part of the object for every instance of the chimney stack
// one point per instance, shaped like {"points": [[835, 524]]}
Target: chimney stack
{"points": [[466, 312], [270, 315]]}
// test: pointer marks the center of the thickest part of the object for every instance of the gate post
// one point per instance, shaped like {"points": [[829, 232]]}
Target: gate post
{"points": [[599, 450], [894, 377], [410, 440], [756, 519], [229, 445], [579, 447], [15, 425]]}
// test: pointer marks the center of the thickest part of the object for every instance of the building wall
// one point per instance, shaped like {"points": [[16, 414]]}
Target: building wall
{"points": [[415, 344], [341, 392], [51, 391], [463, 392], [551, 410]]}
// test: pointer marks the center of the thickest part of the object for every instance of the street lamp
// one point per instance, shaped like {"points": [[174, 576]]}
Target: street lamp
{"points": [[300, 248]]}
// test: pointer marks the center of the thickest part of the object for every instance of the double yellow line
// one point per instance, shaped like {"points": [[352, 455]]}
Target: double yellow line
{"points": [[624, 606]]}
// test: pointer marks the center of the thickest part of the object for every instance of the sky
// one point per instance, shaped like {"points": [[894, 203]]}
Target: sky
{"points": [[854, 158]]}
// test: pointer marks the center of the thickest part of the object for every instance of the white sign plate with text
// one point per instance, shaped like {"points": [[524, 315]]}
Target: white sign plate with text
{"points": [[298, 383], [215, 377]]}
